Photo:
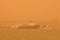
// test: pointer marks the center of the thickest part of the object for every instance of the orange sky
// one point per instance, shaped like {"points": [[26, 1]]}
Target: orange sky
{"points": [[15, 10]]}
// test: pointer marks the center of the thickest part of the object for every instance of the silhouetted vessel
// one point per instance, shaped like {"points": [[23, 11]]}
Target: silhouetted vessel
{"points": [[25, 26]]}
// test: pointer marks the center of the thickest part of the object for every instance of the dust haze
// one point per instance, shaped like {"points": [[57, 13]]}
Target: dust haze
{"points": [[26, 11]]}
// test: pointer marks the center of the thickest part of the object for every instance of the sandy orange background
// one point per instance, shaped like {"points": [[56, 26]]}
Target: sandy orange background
{"points": [[39, 11], [16, 10]]}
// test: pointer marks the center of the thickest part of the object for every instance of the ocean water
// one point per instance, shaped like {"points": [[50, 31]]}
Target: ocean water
{"points": [[7, 33]]}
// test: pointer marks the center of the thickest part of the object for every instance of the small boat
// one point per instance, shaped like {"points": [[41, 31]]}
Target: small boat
{"points": [[25, 26], [46, 28]]}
